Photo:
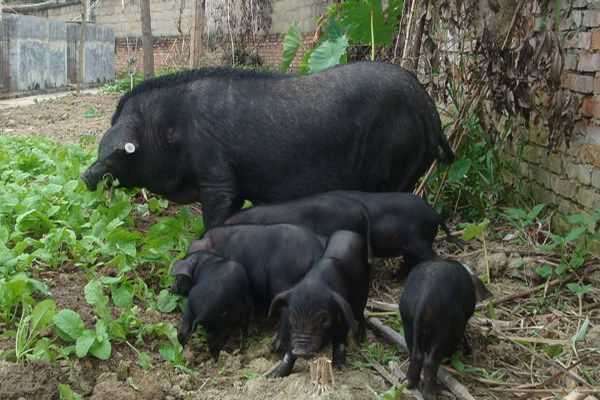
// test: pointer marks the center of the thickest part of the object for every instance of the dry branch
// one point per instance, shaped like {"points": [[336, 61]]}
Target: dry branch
{"points": [[444, 376], [398, 372]]}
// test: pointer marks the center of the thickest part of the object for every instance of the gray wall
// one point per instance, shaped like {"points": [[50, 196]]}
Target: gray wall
{"points": [[99, 49], [37, 53], [42, 53]]}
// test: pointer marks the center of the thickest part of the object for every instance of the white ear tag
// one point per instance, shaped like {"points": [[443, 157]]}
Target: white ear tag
{"points": [[129, 148]]}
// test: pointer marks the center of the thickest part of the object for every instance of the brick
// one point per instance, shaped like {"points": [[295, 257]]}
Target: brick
{"points": [[589, 62], [591, 108], [542, 177], [564, 187], [588, 198], [542, 195], [579, 172], [581, 83], [571, 61], [553, 162], [595, 183], [580, 40], [595, 42], [591, 19]]}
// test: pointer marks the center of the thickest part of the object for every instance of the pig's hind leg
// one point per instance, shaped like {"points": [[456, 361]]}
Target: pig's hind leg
{"points": [[430, 369]]}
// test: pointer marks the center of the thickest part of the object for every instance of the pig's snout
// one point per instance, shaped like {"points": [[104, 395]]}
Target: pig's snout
{"points": [[86, 179], [305, 346]]}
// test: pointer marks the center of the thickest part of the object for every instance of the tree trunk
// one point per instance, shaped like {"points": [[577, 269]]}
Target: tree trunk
{"points": [[197, 42], [81, 47], [147, 39], [416, 51]]}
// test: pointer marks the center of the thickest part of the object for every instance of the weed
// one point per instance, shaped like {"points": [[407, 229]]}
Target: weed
{"points": [[93, 112]]}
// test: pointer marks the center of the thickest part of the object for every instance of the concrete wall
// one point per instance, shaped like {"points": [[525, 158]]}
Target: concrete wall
{"points": [[37, 52], [99, 53], [42, 53]]}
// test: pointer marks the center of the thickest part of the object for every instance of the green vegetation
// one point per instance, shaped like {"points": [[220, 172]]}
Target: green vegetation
{"points": [[49, 221], [348, 23], [124, 84]]}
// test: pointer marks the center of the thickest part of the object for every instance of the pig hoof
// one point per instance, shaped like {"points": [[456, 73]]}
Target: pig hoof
{"points": [[410, 384]]}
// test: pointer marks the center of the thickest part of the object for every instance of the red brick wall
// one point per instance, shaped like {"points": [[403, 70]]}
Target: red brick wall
{"points": [[174, 51], [168, 51]]}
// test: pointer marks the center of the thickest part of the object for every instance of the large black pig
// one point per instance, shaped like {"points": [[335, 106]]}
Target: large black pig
{"points": [[438, 300], [219, 136], [394, 224], [219, 300], [275, 258], [328, 302]]}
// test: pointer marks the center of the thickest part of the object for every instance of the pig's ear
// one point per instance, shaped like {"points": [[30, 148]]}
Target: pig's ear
{"points": [[281, 300], [346, 311], [183, 267], [481, 292], [200, 244]]}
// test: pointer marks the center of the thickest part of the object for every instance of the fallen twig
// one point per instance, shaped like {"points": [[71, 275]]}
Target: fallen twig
{"points": [[527, 292], [444, 376], [545, 358], [398, 373], [446, 237], [381, 369]]}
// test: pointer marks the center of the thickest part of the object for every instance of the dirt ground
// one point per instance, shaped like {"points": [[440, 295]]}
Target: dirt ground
{"points": [[506, 360]]}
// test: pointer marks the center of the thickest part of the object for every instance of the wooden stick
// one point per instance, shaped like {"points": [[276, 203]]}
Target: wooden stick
{"points": [[536, 340], [382, 371], [446, 237], [416, 393], [393, 308], [444, 376], [527, 292]]}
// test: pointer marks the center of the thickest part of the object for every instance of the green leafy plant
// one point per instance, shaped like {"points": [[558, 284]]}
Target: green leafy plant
{"points": [[471, 231], [349, 23], [93, 112]]}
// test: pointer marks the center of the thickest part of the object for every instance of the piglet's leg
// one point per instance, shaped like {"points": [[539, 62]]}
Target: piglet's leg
{"points": [[338, 346], [414, 369], [282, 339], [431, 365], [285, 367]]}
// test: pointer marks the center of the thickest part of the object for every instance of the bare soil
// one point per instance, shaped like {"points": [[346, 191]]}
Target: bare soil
{"points": [[508, 354]]}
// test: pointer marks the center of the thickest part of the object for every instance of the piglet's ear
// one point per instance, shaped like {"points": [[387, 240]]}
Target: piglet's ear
{"points": [[281, 300], [200, 244], [183, 267], [346, 311], [481, 292]]}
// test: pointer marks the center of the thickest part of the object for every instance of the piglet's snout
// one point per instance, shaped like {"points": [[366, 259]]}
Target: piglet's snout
{"points": [[304, 346]]}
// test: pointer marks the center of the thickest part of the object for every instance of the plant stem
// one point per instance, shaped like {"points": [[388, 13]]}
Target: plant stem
{"points": [[489, 279], [380, 314], [372, 38]]}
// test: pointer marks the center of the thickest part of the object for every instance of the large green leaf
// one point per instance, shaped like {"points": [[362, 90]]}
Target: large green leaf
{"points": [[101, 349], [291, 42], [41, 316], [459, 169], [327, 54], [68, 325], [84, 342], [357, 16], [167, 301]]}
